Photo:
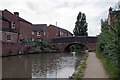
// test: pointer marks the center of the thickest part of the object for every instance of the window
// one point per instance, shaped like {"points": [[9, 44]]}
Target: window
{"points": [[8, 37], [44, 33], [32, 33], [38, 33], [61, 33], [32, 39], [13, 25]]}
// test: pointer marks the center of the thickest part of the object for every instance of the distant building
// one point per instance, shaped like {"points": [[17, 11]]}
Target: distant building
{"points": [[17, 34], [40, 32], [54, 31], [112, 16]]}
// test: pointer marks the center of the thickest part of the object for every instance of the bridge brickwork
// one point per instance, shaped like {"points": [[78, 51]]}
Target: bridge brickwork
{"points": [[87, 41]]}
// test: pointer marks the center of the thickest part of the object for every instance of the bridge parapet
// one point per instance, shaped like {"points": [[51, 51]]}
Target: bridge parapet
{"points": [[88, 41], [82, 39]]}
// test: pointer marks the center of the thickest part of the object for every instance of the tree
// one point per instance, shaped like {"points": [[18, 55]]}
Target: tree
{"points": [[108, 47], [81, 25]]}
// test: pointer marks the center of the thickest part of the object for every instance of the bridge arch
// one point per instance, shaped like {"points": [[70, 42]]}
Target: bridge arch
{"points": [[67, 48], [64, 43]]}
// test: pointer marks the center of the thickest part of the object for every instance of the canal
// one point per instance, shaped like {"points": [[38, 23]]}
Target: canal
{"points": [[45, 65]]}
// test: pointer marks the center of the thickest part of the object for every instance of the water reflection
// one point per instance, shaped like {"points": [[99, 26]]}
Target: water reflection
{"points": [[16, 67], [54, 65], [46, 65]]}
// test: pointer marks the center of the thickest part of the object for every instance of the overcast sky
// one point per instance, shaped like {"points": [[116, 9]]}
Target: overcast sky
{"points": [[64, 12]]}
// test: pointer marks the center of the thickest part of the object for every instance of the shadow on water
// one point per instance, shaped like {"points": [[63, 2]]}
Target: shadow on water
{"points": [[46, 65]]}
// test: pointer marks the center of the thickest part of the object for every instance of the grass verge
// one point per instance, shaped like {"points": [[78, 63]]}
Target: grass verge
{"points": [[109, 66], [79, 73]]}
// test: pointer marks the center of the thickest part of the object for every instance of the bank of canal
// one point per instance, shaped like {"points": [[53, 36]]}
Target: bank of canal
{"points": [[45, 65]]}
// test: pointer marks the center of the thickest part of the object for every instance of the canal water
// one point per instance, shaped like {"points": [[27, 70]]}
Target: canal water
{"points": [[45, 65]]}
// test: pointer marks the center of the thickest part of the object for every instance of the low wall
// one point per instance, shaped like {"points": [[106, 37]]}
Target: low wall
{"points": [[13, 48]]}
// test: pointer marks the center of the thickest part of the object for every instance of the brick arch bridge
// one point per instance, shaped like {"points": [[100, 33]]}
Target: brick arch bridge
{"points": [[63, 42]]}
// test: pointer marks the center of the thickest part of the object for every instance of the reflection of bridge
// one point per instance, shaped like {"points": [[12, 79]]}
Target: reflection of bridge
{"points": [[65, 42]]}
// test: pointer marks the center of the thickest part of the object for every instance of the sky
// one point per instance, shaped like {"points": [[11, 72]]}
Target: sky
{"points": [[64, 12]]}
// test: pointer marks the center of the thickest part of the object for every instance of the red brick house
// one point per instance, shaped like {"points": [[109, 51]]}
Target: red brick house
{"points": [[16, 34], [54, 31], [14, 29], [9, 27], [40, 32], [113, 14], [25, 30]]}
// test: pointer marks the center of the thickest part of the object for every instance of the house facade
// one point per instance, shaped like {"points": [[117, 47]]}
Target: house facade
{"points": [[12, 30], [17, 34], [40, 32], [9, 27], [25, 31], [112, 16], [54, 31]]}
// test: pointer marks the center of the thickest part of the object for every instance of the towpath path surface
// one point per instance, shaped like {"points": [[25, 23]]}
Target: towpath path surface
{"points": [[94, 68]]}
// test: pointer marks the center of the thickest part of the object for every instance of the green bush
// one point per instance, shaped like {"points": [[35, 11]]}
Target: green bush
{"points": [[77, 48], [108, 47], [44, 44], [36, 43]]}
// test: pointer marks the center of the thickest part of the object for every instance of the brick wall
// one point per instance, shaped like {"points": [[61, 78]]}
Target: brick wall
{"points": [[52, 32], [44, 33], [91, 46], [12, 18], [9, 49], [14, 36], [25, 30], [13, 48]]}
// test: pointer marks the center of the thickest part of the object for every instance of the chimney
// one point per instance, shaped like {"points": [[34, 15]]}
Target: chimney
{"points": [[110, 10], [16, 14]]}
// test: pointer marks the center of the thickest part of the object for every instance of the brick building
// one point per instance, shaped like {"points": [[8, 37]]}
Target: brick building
{"points": [[16, 34], [40, 32], [54, 31], [9, 27], [13, 31], [112, 16]]}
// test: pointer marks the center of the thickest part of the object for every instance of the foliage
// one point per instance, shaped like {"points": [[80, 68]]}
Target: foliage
{"points": [[81, 25], [72, 48], [35, 43], [77, 48], [108, 47], [108, 65], [43, 44]]}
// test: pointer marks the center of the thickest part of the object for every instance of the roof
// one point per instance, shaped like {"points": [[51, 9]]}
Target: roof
{"points": [[3, 18], [19, 18], [23, 20], [61, 29], [39, 27]]}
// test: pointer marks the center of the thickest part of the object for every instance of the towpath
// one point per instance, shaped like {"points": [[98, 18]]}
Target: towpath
{"points": [[94, 68]]}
